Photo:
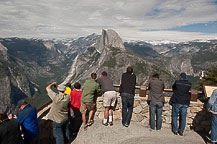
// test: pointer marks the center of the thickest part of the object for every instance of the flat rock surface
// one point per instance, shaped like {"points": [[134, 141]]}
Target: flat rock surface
{"points": [[136, 133]]}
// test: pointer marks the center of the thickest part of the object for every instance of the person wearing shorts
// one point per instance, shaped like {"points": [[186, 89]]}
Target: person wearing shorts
{"points": [[90, 91], [109, 97]]}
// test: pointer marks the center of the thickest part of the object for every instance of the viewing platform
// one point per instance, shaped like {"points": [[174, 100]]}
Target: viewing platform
{"points": [[198, 121]]}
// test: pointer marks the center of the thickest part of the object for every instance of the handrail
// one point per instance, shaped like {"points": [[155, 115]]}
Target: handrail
{"points": [[165, 90], [44, 105], [193, 92]]}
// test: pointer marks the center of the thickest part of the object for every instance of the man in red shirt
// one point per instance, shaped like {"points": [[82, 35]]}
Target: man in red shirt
{"points": [[75, 103]]}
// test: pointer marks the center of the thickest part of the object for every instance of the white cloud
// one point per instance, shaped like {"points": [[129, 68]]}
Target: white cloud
{"points": [[73, 18]]}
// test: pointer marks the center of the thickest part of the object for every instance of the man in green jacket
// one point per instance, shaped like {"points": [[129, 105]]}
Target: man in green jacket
{"points": [[88, 99]]}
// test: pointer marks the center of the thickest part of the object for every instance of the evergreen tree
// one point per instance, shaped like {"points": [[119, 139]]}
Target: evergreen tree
{"points": [[210, 77]]}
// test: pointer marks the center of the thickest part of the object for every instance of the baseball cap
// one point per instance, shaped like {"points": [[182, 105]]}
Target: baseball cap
{"points": [[61, 87], [183, 75]]}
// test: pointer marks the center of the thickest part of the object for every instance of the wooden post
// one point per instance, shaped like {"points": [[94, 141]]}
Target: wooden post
{"points": [[142, 92], [194, 94]]}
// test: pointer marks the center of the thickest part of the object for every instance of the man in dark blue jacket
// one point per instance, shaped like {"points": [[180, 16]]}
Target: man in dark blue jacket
{"points": [[27, 118], [180, 101]]}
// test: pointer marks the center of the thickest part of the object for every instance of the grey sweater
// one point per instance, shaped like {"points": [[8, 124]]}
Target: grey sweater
{"points": [[156, 87]]}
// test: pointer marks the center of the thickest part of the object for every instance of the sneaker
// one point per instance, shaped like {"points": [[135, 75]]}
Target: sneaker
{"points": [[158, 130], [126, 125], [175, 133], [105, 124], [181, 134], [111, 123], [151, 129]]}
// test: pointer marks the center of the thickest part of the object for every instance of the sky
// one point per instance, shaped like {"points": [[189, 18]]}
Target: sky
{"points": [[173, 20]]}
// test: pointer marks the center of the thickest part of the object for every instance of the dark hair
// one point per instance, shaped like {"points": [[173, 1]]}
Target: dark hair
{"points": [[77, 85], [68, 85], [155, 75], [3, 116], [104, 73], [129, 69], [93, 75]]}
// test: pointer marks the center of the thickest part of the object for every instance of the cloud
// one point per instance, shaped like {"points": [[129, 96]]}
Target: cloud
{"points": [[73, 18]]}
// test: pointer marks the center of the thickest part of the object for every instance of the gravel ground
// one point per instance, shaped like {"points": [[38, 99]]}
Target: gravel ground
{"points": [[134, 134]]}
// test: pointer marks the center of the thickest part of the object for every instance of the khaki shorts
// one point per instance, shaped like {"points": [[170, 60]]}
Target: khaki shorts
{"points": [[87, 106], [109, 98]]}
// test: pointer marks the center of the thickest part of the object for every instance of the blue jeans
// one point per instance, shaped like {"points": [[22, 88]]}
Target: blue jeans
{"points": [[127, 107], [156, 109], [61, 132], [214, 127], [176, 110]]}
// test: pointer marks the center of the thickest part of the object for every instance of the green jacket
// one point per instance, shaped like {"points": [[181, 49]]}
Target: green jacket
{"points": [[90, 91]]}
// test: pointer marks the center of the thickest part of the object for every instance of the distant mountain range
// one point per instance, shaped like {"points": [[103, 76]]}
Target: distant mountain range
{"points": [[28, 65]]}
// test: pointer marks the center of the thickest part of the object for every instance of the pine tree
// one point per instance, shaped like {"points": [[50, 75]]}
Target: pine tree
{"points": [[210, 77]]}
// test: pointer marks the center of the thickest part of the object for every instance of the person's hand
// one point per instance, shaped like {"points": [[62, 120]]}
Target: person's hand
{"points": [[10, 116]]}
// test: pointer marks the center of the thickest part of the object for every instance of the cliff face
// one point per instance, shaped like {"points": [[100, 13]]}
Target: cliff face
{"points": [[109, 54]]}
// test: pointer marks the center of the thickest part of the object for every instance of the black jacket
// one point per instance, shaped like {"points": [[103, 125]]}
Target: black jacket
{"points": [[10, 132], [128, 83], [181, 93]]}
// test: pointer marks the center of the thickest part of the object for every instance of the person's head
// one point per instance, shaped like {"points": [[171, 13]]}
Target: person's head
{"points": [[155, 75], [129, 69], [77, 85], [22, 103], [94, 76], [3, 116], [61, 88], [183, 75], [68, 85], [104, 73]]}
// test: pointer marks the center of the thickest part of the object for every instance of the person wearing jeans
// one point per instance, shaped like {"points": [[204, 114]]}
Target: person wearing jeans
{"points": [[176, 109], [127, 108], [212, 107], [156, 101], [156, 108], [180, 101], [58, 113], [127, 91], [58, 129]]}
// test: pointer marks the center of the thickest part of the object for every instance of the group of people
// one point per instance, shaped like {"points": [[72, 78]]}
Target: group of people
{"points": [[72, 106]]}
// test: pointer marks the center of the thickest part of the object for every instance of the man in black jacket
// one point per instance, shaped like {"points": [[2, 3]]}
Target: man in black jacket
{"points": [[9, 130], [180, 101], [127, 91]]}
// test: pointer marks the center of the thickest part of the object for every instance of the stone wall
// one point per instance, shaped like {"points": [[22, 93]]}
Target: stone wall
{"points": [[197, 117]]}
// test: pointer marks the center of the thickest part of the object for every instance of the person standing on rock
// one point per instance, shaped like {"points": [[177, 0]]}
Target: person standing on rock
{"points": [[156, 101], [109, 97], [180, 101], [127, 91], [212, 107], [90, 91], [59, 112]]}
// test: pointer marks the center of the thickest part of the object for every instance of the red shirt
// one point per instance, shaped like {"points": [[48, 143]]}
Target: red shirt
{"points": [[75, 102]]}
